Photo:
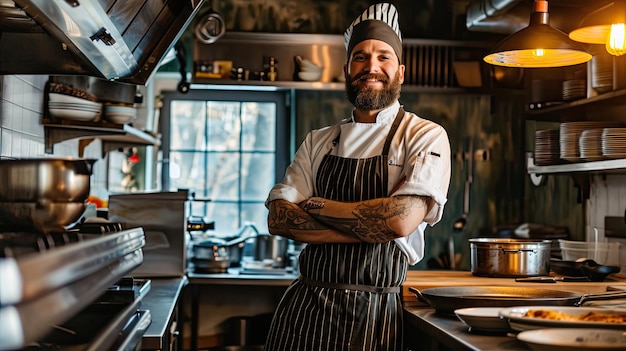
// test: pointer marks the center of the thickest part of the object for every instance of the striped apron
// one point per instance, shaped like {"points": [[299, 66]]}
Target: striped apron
{"points": [[347, 297]]}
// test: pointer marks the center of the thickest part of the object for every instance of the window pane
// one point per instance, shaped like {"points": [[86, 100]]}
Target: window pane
{"points": [[256, 214], [223, 176], [224, 125], [259, 126], [188, 125], [257, 176], [187, 171], [225, 215]]}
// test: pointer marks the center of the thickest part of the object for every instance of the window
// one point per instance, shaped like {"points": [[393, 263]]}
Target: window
{"points": [[229, 148]]}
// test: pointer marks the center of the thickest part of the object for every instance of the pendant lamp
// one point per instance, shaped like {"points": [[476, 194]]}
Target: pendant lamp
{"points": [[604, 26], [538, 45]]}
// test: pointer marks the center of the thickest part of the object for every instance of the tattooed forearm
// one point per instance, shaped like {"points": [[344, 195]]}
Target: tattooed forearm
{"points": [[371, 221], [282, 218]]}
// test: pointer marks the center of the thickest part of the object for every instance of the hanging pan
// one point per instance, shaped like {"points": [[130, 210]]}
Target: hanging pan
{"points": [[447, 299], [210, 28]]}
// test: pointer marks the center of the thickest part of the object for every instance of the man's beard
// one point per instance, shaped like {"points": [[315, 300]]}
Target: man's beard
{"points": [[369, 99]]}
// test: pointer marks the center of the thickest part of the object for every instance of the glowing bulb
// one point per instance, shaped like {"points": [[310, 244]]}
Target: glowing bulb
{"points": [[615, 43], [538, 53]]}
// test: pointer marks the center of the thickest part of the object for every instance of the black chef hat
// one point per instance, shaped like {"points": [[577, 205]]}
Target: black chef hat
{"points": [[380, 22]]}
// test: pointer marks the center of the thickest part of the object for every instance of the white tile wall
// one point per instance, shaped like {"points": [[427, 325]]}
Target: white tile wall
{"points": [[21, 132]]}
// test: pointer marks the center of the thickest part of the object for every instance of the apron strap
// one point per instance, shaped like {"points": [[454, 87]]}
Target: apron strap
{"points": [[354, 287], [392, 131]]}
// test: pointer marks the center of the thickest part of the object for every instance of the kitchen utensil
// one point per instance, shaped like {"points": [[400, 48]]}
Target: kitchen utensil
{"points": [[585, 268], [460, 223], [502, 257], [56, 180], [210, 28], [600, 252], [447, 299], [562, 339], [483, 319], [552, 279], [518, 320]]}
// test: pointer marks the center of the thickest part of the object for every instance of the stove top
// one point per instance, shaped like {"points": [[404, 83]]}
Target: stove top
{"points": [[47, 279]]}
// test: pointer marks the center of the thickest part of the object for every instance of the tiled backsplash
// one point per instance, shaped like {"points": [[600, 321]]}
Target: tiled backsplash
{"points": [[21, 132]]}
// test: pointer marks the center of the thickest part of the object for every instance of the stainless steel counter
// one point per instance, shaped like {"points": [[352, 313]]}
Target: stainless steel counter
{"points": [[235, 277], [232, 277], [162, 301], [423, 325]]}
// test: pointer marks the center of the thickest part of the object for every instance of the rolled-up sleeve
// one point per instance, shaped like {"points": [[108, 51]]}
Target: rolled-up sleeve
{"points": [[427, 170]]}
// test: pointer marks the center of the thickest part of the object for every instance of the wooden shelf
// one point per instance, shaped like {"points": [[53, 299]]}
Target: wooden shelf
{"points": [[113, 136]]}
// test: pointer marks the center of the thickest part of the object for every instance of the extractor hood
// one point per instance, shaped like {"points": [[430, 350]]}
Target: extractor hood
{"points": [[122, 40]]}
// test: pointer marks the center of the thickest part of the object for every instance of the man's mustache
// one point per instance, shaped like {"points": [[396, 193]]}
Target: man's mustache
{"points": [[366, 75]]}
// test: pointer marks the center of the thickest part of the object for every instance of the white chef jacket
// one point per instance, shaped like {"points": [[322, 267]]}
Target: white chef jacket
{"points": [[419, 153]]}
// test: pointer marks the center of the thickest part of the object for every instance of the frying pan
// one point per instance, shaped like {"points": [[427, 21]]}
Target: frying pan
{"points": [[447, 299]]}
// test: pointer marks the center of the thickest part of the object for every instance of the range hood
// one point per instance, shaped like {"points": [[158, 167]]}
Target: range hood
{"points": [[121, 40], [510, 16]]}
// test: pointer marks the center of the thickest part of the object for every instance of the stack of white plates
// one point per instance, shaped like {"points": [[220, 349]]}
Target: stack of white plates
{"points": [[547, 151], [614, 142], [119, 114], [602, 73], [73, 108], [569, 137], [574, 89], [590, 144]]}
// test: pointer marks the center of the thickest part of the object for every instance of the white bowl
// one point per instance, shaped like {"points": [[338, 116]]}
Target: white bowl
{"points": [[566, 339], [119, 114], [310, 76], [486, 319], [74, 115], [55, 97]]}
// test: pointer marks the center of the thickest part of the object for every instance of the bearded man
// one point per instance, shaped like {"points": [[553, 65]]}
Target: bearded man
{"points": [[360, 193]]}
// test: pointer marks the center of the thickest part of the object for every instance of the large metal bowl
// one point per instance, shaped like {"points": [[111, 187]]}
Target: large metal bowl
{"points": [[43, 217], [45, 180]]}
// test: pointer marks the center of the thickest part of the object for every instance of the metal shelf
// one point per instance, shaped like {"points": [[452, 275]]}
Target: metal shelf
{"points": [[616, 165], [113, 136]]}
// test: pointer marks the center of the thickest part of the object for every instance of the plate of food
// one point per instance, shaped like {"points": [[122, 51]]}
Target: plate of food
{"points": [[483, 319], [563, 339], [523, 318]]}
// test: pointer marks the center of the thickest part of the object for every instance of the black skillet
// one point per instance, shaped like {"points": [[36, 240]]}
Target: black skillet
{"points": [[447, 299], [587, 268]]}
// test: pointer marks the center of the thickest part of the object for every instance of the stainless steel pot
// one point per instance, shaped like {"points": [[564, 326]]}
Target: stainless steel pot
{"points": [[270, 247], [496, 257], [45, 180]]}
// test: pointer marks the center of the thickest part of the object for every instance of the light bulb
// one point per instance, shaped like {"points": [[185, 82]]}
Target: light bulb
{"points": [[615, 42], [538, 53]]}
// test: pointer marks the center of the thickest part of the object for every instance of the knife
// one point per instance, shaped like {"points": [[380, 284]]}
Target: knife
{"points": [[551, 279]]}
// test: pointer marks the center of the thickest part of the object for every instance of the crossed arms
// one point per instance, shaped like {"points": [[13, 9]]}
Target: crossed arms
{"points": [[318, 220]]}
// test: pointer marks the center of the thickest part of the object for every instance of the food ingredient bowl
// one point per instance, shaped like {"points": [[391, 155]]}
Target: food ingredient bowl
{"points": [[602, 252], [42, 180]]}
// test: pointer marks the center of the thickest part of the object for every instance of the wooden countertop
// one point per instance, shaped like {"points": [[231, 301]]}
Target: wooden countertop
{"points": [[433, 279]]}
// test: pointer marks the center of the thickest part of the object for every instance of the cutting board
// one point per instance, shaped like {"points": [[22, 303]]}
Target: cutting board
{"points": [[433, 279]]}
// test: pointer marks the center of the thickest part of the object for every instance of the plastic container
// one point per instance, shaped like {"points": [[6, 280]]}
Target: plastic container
{"points": [[605, 253]]}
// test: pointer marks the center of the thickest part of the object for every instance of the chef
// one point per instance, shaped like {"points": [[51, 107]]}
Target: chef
{"points": [[360, 193]]}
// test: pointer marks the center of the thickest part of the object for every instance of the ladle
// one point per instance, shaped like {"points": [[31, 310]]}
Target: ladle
{"points": [[460, 223]]}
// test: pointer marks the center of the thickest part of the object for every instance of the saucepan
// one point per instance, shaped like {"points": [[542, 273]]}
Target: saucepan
{"points": [[447, 299]]}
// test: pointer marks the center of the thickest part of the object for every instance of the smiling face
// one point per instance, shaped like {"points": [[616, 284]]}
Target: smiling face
{"points": [[373, 75]]}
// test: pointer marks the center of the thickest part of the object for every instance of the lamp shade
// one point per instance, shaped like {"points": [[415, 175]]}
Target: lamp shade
{"points": [[604, 26], [538, 45]]}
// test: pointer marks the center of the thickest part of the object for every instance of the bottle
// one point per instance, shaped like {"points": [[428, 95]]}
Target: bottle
{"points": [[272, 71]]}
